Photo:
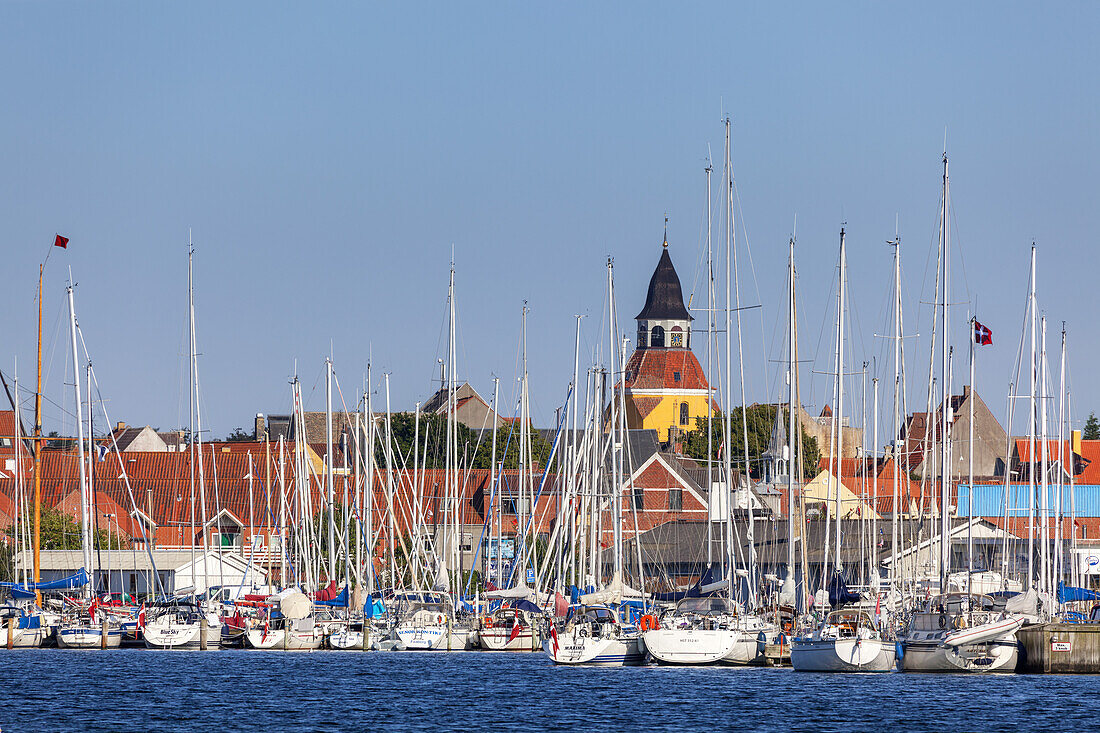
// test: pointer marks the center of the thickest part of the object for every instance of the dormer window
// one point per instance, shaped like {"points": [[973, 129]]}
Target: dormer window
{"points": [[676, 376]]}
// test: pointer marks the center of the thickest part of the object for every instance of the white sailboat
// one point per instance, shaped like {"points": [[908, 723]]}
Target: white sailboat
{"points": [[846, 640], [95, 629], [595, 632]]}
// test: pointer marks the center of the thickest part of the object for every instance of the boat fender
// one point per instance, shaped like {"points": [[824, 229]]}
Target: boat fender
{"points": [[440, 620], [943, 621]]}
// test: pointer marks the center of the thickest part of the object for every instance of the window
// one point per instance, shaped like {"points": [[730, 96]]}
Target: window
{"points": [[639, 499], [510, 506], [641, 337], [684, 417], [675, 500], [657, 339], [676, 376]]}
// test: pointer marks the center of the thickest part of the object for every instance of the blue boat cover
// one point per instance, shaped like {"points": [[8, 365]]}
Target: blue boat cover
{"points": [[77, 580], [373, 607], [839, 594], [1070, 594], [522, 604]]}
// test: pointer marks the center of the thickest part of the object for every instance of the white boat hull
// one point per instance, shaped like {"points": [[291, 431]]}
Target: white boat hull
{"points": [[843, 655], [691, 646], [602, 651], [498, 639], [26, 638], [181, 636], [284, 640], [433, 638], [345, 639], [87, 637]]}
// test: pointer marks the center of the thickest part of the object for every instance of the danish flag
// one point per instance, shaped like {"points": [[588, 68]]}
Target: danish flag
{"points": [[554, 638], [515, 629], [141, 617], [982, 335]]}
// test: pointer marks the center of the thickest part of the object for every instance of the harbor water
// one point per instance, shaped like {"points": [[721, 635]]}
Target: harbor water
{"points": [[59, 690]]}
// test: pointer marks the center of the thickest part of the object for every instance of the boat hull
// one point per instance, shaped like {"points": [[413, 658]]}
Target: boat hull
{"points": [[433, 638], [283, 640], [843, 655], [690, 646], [87, 637], [498, 639], [921, 654], [598, 651], [181, 636], [344, 639]]}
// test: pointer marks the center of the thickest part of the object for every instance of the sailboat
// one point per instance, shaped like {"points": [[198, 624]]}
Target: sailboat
{"points": [[846, 640], [962, 631], [598, 631], [93, 629]]}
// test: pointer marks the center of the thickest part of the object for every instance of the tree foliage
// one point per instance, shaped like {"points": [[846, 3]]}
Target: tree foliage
{"points": [[760, 419], [1092, 428], [238, 436], [59, 531], [473, 452]]}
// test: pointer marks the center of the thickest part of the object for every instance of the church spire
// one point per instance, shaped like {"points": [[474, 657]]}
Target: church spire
{"points": [[664, 321]]}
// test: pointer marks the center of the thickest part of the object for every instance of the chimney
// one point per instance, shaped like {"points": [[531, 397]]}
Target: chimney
{"points": [[258, 430], [120, 427]]}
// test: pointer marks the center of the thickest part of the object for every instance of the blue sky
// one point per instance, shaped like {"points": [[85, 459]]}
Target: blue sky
{"points": [[327, 158]]}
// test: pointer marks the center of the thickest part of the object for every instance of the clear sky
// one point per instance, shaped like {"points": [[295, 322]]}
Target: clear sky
{"points": [[327, 157]]}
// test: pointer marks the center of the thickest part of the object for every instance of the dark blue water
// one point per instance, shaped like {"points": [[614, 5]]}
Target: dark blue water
{"points": [[138, 690]]}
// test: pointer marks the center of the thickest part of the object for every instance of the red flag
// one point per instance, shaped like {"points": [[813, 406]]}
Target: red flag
{"points": [[515, 629], [561, 606], [141, 617], [982, 335], [60, 241], [554, 639], [92, 608]]}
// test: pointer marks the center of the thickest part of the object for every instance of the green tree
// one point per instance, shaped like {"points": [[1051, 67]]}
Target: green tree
{"points": [[61, 532], [238, 436], [760, 420], [1092, 428], [477, 453]]}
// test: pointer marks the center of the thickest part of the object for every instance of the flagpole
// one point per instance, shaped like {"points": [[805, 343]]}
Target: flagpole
{"points": [[970, 492]]}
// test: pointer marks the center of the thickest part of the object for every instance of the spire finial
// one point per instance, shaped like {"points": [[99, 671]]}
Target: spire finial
{"points": [[665, 245]]}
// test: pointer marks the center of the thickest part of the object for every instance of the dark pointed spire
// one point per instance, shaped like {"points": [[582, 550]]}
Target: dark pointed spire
{"points": [[665, 300]]}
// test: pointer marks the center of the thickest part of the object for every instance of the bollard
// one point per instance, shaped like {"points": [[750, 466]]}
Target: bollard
{"points": [[534, 639], [11, 632], [448, 633], [203, 625], [103, 634], [366, 636]]}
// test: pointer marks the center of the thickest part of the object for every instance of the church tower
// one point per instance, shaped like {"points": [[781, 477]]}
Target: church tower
{"points": [[666, 389]]}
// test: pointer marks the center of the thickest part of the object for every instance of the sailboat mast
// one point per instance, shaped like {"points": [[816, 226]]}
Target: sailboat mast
{"points": [[494, 480], [368, 512], [945, 388], [1031, 435], [1044, 500], [329, 491], [617, 435], [838, 424], [38, 448], [895, 527], [85, 499], [791, 366], [191, 396], [710, 371], [389, 489], [727, 408]]}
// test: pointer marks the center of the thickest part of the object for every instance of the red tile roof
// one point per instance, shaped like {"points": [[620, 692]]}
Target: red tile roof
{"points": [[657, 369]]}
